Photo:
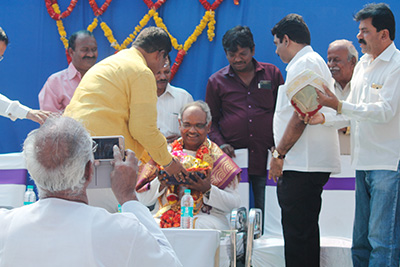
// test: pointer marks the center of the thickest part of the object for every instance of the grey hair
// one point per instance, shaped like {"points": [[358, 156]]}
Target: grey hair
{"points": [[56, 155], [201, 104], [352, 51]]}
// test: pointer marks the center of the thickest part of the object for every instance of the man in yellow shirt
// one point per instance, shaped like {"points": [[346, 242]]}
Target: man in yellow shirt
{"points": [[118, 96]]}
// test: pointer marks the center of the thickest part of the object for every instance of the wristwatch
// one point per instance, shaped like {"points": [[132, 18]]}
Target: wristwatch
{"points": [[276, 155]]}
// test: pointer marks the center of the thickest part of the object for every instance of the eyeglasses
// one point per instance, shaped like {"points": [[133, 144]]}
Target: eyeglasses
{"points": [[198, 126]]}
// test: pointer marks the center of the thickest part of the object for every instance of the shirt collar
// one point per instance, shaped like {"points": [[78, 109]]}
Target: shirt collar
{"points": [[302, 52], [72, 72], [229, 71], [386, 55], [169, 91]]}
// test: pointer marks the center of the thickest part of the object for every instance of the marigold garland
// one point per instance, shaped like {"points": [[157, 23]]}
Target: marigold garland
{"points": [[208, 20], [93, 25], [60, 26], [110, 37]]}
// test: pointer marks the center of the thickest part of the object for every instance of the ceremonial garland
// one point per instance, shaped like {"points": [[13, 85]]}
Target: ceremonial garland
{"points": [[208, 20]]}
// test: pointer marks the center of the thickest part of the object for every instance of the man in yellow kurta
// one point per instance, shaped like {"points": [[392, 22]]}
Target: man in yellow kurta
{"points": [[118, 96]]}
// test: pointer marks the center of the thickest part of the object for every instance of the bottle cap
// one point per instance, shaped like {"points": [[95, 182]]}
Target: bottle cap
{"points": [[30, 186], [187, 191]]}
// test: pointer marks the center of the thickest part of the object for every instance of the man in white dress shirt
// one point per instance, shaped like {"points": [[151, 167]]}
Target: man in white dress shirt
{"points": [[305, 156], [374, 112], [170, 101], [61, 229]]}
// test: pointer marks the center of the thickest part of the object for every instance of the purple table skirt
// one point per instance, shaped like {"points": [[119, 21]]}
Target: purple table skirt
{"points": [[334, 183], [13, 176]]}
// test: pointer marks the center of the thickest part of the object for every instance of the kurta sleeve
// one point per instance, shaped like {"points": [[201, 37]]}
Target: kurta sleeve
{"points": [[12, 109], [143, 118]]}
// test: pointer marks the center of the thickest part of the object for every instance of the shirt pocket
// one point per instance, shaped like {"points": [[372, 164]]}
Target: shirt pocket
{"points": [[374, 91]]}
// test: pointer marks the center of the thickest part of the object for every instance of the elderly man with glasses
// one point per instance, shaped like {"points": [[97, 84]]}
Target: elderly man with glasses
{"points": [[215, 195]]}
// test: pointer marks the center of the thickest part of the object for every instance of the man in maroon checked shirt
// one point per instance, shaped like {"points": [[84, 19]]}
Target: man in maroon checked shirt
{"points": [[242, 100]]}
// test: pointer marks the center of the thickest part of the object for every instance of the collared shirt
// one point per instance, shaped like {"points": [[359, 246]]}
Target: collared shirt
{"points": [[59, 89], [342, 93], [317, 149], [12, 109], [57, 232], [242, 115], [118, 96], [373, 106], [169, 105]]}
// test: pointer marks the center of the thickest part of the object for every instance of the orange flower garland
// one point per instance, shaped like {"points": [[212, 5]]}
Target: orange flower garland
{"points": [[99, 11], [208, 20], [56, 15]]}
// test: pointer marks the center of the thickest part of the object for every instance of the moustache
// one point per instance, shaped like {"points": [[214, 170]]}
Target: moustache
{"points": [[89, 57], [362, 41], [334, 69], [163, 81]]}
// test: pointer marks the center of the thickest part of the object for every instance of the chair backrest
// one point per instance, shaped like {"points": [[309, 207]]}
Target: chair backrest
{"points": [[13, 176]]}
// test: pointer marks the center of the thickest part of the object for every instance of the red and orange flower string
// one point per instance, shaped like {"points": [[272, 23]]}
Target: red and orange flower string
{"points": [[208, 20]]}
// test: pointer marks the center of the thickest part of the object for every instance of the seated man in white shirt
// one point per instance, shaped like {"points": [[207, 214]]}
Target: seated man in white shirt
{"points": [[214, 196], [61, 229], [170, 101]]}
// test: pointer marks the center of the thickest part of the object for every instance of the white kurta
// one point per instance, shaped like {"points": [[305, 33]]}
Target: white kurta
{"points": [[12, 109], [169, 105], [317, 149], [56, 232]]}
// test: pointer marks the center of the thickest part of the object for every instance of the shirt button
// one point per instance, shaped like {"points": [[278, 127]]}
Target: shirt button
{"points": [[249, 106], [250, 120], [248, 93], [252, 151], [251, 135]]}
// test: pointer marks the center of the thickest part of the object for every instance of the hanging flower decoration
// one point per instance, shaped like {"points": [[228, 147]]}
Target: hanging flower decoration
{"points": [[61, 31], [159, 22], [208, 20], [143, 22], [152, 5], [99, 11], [93, 25], [110, 37], [56, 15]]}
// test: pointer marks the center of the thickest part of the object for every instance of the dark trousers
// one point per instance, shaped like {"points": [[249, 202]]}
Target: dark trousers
{"points": [[258, 186], [299, 196]]}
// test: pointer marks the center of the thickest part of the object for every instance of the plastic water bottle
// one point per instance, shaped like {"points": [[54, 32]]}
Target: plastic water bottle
{"points": [[30, 196], [187, 210]]}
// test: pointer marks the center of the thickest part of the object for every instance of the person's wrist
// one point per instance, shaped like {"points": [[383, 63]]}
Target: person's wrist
{"points": [[169, 164], [207, 193]]}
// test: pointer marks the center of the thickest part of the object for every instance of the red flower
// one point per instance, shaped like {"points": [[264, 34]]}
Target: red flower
{"points": [[170, 219]]}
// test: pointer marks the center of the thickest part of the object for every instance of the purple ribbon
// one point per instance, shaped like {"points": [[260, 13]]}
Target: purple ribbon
{"points": [[13, 176], [334, 183]]}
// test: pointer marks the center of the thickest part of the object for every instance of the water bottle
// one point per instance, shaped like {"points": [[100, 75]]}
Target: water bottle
{"points": [[187, 210], [30, 196]]}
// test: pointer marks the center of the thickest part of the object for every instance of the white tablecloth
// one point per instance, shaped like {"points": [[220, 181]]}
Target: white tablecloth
{"points": [[195, 247]]}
